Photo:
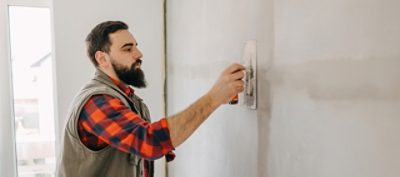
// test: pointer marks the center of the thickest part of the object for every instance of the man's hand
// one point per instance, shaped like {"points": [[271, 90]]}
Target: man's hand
{"points": [[183, 124], [228, 85]]}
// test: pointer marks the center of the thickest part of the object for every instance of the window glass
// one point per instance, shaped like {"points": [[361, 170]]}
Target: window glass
{"points": [[30, 37]]}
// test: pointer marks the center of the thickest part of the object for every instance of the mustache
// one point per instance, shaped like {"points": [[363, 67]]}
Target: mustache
{"points": [[138, 62]]}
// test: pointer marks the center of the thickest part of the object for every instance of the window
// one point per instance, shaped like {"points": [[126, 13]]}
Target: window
{"points": [[32, 83]]}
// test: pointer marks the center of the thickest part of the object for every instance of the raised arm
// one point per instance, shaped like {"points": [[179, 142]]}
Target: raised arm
{"points": [[183, 124]]}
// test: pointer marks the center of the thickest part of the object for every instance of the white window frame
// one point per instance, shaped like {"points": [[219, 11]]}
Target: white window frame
{"points": [[8, 161]]}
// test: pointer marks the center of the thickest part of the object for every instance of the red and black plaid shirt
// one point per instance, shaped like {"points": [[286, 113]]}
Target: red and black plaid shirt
{"points": [[105, 120]]}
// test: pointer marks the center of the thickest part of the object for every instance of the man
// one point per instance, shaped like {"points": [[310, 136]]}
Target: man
{"points": [[108, 132]]}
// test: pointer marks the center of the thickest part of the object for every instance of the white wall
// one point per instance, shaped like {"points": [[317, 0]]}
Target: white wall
{"points": [[204, 37], [328, 105], [73, 20], [7, 146], [335, 102]]}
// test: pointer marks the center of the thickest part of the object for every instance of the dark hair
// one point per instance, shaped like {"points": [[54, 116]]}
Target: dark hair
{"points": [[98, 39]]}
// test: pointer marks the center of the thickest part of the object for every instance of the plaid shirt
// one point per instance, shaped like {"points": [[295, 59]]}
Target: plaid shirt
{"points": [[106, 120]]}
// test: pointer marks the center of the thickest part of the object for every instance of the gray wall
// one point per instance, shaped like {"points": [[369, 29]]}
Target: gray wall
{"points": [[335, 102], [328, 79], [74, 19], [204, 37]]}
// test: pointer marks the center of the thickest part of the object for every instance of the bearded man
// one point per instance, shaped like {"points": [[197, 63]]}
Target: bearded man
{"points": [[109, 132]]}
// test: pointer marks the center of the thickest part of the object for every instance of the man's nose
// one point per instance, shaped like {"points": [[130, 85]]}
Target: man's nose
{"points": [[138, 54]]}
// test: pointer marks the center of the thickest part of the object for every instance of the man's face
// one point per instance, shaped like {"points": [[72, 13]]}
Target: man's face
{"points": [[126, 59]]}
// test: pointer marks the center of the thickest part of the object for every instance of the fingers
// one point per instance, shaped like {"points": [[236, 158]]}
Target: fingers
{"points": [[229, 83], [239, 75], [234, 68], [239, 85], [235, 74]]}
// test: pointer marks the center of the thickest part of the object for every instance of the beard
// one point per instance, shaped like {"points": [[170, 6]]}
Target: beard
{"points": [[132, 75]]}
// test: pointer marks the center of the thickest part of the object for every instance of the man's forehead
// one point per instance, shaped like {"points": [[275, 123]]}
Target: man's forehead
{"points": [[122, 37]]}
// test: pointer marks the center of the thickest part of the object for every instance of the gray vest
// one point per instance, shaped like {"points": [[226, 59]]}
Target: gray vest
{"points": [[77, 160]]}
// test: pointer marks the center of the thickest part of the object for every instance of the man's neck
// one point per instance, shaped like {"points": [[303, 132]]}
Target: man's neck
{"points": [[114, 78], [109, 73]]}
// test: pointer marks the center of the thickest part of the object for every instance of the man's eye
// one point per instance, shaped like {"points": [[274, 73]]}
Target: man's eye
{"points": [[128, 49]]}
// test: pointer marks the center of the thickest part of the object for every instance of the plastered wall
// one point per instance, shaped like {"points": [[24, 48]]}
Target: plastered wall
{"points": [[204, 37], [335, 90], [329, 84]]}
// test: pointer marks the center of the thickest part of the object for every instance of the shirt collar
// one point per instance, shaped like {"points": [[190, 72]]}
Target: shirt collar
{"points": [[125, 88]]}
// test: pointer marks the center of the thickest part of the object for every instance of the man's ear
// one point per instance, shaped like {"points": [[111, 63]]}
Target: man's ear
{"points": [[101, 58]]}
